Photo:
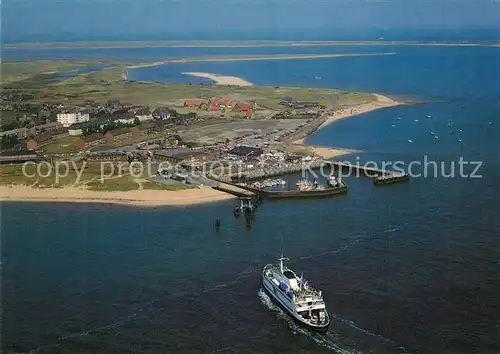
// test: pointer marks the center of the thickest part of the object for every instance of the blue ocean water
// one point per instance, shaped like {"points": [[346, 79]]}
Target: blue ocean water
{"points": [[410, 268]]}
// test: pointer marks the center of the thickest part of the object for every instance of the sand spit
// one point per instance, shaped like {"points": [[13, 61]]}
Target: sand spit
{"points": [[220, 79], [255, 58]]}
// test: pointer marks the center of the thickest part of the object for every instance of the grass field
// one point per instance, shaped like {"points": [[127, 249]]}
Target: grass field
{"points": [[77, 176], [108, 84]]}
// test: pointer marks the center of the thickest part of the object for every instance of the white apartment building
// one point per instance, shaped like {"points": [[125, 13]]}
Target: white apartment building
{"points": [[66, 119]]}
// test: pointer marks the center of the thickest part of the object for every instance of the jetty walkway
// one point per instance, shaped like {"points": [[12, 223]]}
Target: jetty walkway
{"points": [[379, 176]]}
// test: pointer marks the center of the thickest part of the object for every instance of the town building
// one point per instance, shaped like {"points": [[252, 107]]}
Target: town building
{"points": [[75, 131], [18, 157], [32, 144], [247, 151], [21, 133], [66, 119], [216, 103], [186, 156], [193, 103], [122, 134], [90, 141], [242, 107], [161, 113]]}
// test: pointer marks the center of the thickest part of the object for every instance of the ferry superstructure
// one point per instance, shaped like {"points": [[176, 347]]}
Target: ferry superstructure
{"points": [[296, 296]]}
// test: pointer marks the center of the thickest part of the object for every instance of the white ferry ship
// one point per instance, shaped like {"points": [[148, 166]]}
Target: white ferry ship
{"points": [[296, 296]]}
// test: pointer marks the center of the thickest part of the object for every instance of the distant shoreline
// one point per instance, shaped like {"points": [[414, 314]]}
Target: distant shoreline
{"points": [[255, 58], [236, 43]]}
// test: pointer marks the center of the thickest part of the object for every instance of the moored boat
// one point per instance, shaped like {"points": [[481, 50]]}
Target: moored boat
{"points": [[296, 296], [332, 181]]}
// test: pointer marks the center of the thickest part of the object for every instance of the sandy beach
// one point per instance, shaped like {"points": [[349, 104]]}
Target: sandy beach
{"points": [[136, 198], [220, 79], [329, 153], [381, 102]]}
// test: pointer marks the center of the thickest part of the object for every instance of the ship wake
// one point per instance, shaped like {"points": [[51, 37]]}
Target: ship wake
{"points": [[348, 340]]}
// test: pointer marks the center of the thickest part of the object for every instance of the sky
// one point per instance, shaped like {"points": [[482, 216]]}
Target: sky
{"points": [[224, 19]]}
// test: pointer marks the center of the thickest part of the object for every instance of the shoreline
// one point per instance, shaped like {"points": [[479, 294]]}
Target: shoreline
{"points": [[327, 152], [221, 79], [240, 43], [200, 195], [254, 58], [146, 198], [381, 102]]}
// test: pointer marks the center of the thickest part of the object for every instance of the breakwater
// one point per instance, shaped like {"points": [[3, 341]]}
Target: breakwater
{"points": [[379, 176]]}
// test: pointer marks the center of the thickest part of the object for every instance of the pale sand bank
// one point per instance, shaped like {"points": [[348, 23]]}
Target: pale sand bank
{"points": [[381, 102], [138, 197], [330, 153], [220, 79]]}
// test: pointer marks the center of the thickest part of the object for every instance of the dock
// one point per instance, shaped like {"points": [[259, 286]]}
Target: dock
{"points": [[234, 190], [379, 176]]}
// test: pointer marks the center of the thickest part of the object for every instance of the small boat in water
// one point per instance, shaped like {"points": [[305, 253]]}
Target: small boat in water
{"points": [[296, 296], [410, 141], [332, 181]]}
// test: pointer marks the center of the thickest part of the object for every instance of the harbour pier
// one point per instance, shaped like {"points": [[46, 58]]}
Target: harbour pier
{"points": [[379, 176]]}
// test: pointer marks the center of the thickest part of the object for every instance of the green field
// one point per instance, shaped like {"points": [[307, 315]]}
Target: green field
{"points": [[90, 176], [109, 84]]}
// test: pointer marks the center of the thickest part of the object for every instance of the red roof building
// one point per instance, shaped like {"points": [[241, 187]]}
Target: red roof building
{"points": [[242, 107], [192, 103], [215, 103], [31, 144]]}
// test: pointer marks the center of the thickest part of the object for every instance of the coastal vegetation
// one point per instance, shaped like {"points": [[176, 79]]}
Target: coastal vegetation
{"points": [[88, 176]]}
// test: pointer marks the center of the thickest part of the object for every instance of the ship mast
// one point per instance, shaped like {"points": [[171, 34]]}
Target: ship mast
{"points": [[281, 262]]}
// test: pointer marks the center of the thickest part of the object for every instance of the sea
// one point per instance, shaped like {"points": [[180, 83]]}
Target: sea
{"points": [[407, 268]]}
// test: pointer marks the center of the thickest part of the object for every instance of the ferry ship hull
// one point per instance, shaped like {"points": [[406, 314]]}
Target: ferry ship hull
{"points": [[279, 299]]}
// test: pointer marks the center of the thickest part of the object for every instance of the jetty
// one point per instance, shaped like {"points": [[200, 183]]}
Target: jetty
{"points": [[314, 193], [379, 176]]}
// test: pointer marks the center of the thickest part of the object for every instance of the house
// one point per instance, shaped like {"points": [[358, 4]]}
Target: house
{"points": [[125, 120], [113, 104], [192, 103], [90, 141], [122, 134], [242, 107], [216, 103], [183, 155], [243, 150], [161, 113], [78, 128], [249, 114], [75, 131], [68, 118], [32, 144], [21, 133]]}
